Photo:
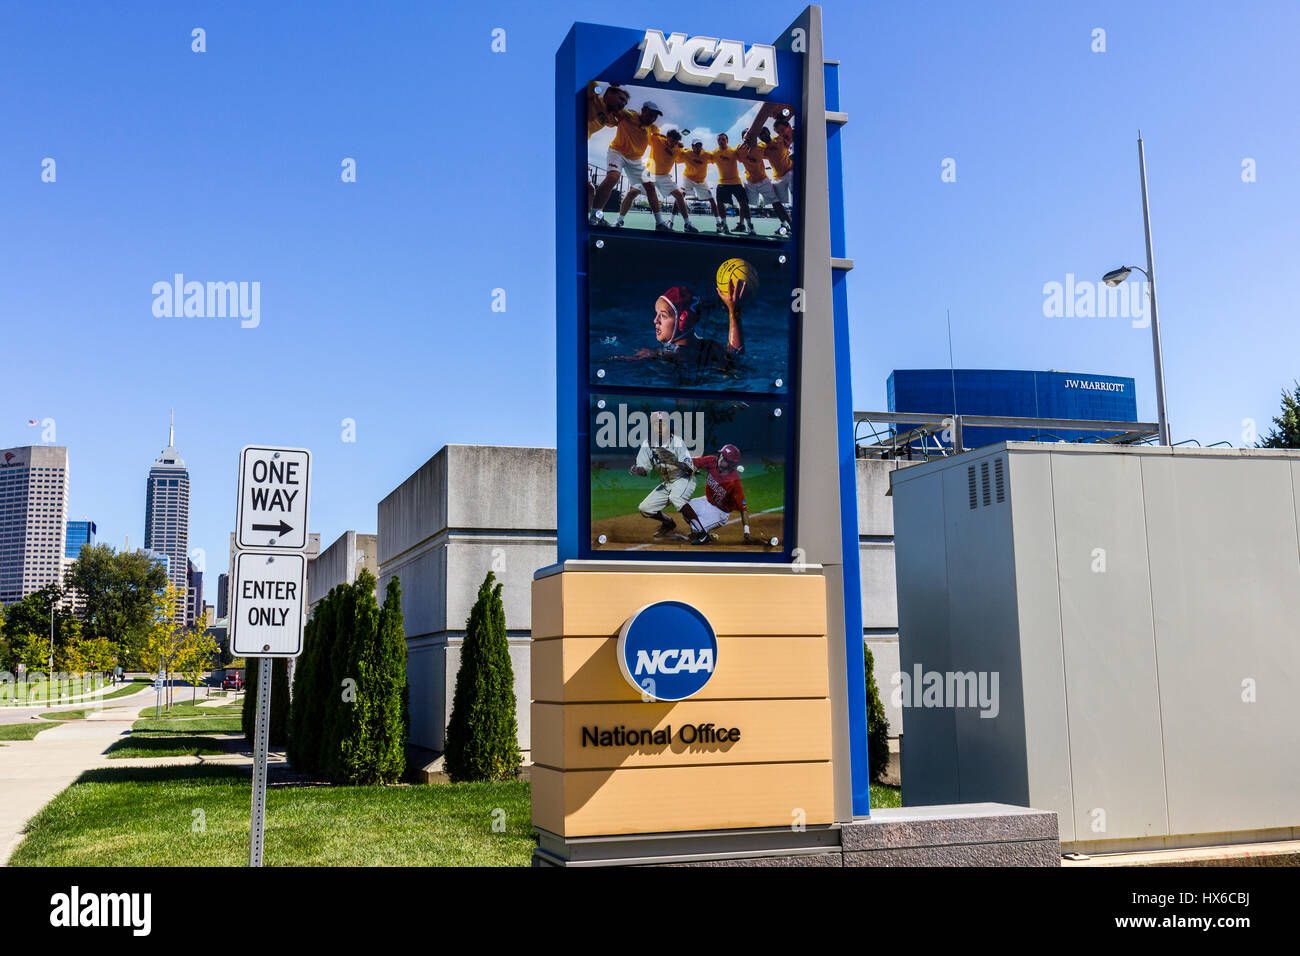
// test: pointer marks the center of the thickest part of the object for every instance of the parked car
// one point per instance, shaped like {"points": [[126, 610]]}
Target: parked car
{"points": [[232, 682]]}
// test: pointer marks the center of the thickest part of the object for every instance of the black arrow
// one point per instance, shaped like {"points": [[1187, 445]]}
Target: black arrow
{"points": [[280, 529]]}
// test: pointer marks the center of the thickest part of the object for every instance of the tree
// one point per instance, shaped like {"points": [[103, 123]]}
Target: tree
{"points": [[304, 711], [87, 655], [119, 591], [279, 717], [195, 655], [30, 617], [162, 641], [372, 749], [877, 722], [1286, 426], [483, 735]]}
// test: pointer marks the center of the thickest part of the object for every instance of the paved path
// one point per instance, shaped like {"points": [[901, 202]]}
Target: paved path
{"points": [[33, 771]]}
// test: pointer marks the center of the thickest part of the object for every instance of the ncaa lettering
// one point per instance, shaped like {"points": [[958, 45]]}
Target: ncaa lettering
{"points": [[701, 61], [669, 661]]}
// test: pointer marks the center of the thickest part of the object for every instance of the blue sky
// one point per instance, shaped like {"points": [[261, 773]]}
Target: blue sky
{"points": [[376, 295]]}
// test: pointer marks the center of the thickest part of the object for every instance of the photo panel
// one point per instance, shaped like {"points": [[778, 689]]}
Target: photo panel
{"points": [[695, 164], [688, 475], [689, 315]]}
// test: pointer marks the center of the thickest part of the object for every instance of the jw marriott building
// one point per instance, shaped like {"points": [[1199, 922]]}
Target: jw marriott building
{"points": [[167, 517]]}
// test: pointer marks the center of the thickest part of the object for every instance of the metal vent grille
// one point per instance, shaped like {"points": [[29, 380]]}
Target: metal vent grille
{"points": [[984, 482], [970, 484], [999, 481]]}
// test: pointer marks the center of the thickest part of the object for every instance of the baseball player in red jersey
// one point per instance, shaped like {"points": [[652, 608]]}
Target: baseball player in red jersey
{"points": [[722, 489]]}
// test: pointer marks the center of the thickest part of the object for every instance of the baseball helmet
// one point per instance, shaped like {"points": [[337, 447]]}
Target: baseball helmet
{"points": [[731, 453], [686, 307]]}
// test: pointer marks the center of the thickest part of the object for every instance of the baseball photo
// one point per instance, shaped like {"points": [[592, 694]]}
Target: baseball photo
{"points": [[688, 163], [694, 476], [677, 315]]}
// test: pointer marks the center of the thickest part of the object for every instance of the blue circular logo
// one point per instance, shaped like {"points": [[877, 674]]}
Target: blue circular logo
{"points": [[667, 651]]}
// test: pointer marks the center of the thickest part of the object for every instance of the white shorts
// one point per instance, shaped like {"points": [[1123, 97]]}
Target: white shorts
{"points": [[633, 169], [782, 187], [666, 187], [699, 191], [762, 188], [676, 492], [710, 517]]}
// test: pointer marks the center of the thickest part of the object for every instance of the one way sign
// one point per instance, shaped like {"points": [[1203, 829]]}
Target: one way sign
{"points": [[274, 485]]}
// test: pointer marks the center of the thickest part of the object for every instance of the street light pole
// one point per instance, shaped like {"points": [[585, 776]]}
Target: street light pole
{"points": [[1162, 416], [47, 693]]}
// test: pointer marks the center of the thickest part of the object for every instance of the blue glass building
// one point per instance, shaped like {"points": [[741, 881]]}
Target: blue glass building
{"points": [[1014, 394], [80, 534]]}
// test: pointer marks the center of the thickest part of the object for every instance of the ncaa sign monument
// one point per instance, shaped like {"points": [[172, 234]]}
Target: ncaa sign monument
{"points": [[697, 658]]}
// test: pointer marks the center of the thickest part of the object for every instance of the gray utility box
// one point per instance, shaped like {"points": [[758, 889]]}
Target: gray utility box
{"points": [[1137, 612]]}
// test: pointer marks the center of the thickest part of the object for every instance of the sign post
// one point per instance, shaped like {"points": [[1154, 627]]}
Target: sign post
{"points": [[262, 729], [269, 596]]}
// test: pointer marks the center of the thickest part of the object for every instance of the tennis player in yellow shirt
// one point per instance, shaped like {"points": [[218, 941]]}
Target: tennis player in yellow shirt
{"points": [[696, 162], [602, 112], [729, 185], [626, 158]]}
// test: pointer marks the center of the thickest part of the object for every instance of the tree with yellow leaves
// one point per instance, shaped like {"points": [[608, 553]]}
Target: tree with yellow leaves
{"points": [[197, 650], [164, 638]]}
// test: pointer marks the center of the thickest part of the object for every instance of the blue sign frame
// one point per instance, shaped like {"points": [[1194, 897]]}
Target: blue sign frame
{"points": [[612, 54]]}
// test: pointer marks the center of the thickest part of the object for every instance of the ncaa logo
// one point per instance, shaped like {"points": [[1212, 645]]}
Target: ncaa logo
{"points": [[667, 651]]}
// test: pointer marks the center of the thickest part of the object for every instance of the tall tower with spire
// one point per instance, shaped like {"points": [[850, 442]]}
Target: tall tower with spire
{"points": [[167, 515]]}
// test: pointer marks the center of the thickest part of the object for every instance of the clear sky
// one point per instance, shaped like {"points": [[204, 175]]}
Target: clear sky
{"points": [[376, 295]]}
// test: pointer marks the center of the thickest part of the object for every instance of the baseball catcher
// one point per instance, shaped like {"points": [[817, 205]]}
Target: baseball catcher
{"points": [[666, 456]]}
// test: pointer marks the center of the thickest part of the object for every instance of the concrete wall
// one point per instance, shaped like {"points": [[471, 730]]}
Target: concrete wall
{"points": [[1139, 606], [468, 510], [879, 600], [340, 563]]}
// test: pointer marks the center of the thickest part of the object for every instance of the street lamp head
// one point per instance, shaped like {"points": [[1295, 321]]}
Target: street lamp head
{"points": [[1116, 276]]}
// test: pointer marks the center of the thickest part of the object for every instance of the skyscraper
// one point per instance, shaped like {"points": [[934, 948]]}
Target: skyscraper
{"points": [[194, 594], [33, 516], [80, 534], [167, 517]]}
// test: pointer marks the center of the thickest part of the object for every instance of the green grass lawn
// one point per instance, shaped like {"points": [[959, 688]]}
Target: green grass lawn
{"points": [[884, 796], [133, 686], [147, 743], [147, 817], [190, 725], [23, 731], [65, 715], [37, 692], [188, 709]]}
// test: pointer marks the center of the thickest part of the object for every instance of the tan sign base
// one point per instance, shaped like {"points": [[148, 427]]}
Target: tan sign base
{"points": [[680, 772]]}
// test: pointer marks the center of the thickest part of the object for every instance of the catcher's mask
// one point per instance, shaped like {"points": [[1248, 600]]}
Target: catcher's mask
{"points": [[686, 310]]}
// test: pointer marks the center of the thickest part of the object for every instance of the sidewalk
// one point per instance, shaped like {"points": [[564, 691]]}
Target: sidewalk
{"points": [[32, 772]]}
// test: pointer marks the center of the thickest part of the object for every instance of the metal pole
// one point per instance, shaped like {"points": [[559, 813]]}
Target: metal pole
{"points": [[47, 686], [261, 731], [1162, 416]]}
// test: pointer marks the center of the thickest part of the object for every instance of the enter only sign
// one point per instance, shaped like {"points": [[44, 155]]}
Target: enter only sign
{"points": [[267, 603], [274, 486]]}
